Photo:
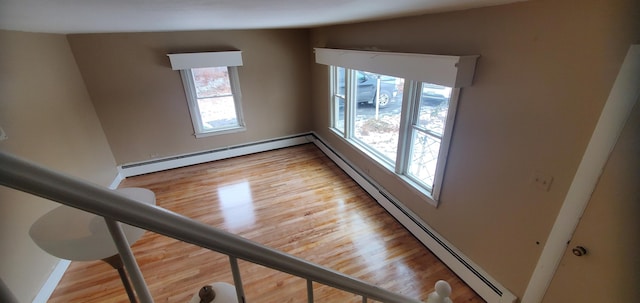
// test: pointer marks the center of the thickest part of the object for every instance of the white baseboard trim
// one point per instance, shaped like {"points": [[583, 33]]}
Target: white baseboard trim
{"points": [[116, 181], [487, 287], [156, 165], [52, 282]]}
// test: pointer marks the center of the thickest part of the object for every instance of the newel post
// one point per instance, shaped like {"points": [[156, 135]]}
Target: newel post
{"points": [[441, 293]]}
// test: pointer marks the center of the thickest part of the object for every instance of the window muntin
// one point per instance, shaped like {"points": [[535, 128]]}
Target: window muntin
{"points": [[378, 129], [214, 99]]}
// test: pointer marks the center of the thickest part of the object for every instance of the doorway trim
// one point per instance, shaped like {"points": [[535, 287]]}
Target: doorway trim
{"points": [[622, 98]]}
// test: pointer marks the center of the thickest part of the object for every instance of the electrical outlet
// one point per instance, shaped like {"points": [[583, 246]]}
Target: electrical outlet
{"points": [[541, 180]]}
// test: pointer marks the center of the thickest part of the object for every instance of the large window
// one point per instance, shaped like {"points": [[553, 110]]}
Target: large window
{"points": [[398, 108], [214, 99], [369, 113], [212, 89]]}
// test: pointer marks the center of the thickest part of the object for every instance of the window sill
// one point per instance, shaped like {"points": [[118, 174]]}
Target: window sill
{"points": [[221, 132], [420, 189], [372, 155]]}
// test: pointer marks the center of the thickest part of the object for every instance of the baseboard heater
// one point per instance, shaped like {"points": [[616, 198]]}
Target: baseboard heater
{"points": [[488, 288], [156, 165]]}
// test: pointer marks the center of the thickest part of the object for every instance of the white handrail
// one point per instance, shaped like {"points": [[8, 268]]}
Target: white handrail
{"points": [[29, 177]]}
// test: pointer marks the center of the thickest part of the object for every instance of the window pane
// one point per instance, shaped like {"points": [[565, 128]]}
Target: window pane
{"points": [[218, 112], [215, 99], [211, 82], [338, 119], [423, 158], [338, 99], [340, 83], [434, 105], [378, 128]]}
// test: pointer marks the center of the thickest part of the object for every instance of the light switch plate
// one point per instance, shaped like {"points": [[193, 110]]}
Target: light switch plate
{"points": [[3, 135]]}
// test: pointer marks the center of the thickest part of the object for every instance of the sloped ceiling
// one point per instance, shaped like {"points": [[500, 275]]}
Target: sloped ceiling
{"points": [[99, 16]]}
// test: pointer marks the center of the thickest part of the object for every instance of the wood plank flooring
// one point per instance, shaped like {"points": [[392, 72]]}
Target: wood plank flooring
{"points": [[295, 200]]}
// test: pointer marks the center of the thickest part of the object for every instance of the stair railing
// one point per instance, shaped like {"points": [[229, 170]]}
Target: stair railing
{"points": [[32, 178]]}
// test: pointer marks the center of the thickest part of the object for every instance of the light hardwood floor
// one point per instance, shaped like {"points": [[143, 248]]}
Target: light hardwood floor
{"points": [[295, 200]]}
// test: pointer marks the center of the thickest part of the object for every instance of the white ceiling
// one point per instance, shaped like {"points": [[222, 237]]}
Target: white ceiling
{"points": [[99, 16]]}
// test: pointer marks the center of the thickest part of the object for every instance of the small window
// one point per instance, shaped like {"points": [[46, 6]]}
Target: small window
{"points": [[212, 89], [214, 99]]}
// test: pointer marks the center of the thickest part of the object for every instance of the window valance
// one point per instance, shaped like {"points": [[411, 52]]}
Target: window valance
{"points": [[452, 71], [208, 59]]}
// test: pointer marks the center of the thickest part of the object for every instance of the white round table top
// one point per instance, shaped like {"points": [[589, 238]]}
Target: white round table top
{"points": [[73, 234]]}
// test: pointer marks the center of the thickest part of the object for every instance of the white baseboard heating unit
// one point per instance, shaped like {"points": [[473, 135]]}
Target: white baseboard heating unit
{"points": [[156, 165]]}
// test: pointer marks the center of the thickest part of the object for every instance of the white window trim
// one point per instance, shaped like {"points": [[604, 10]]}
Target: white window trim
{"points": [[192, 100], [333, 81]]}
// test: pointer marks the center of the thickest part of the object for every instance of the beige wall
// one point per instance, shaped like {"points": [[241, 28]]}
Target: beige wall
{"points": [[46, 112], [141, 101], [545, 71]]}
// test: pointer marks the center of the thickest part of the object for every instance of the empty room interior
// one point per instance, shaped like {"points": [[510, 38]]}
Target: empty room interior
{"points": [[500, 137]]}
